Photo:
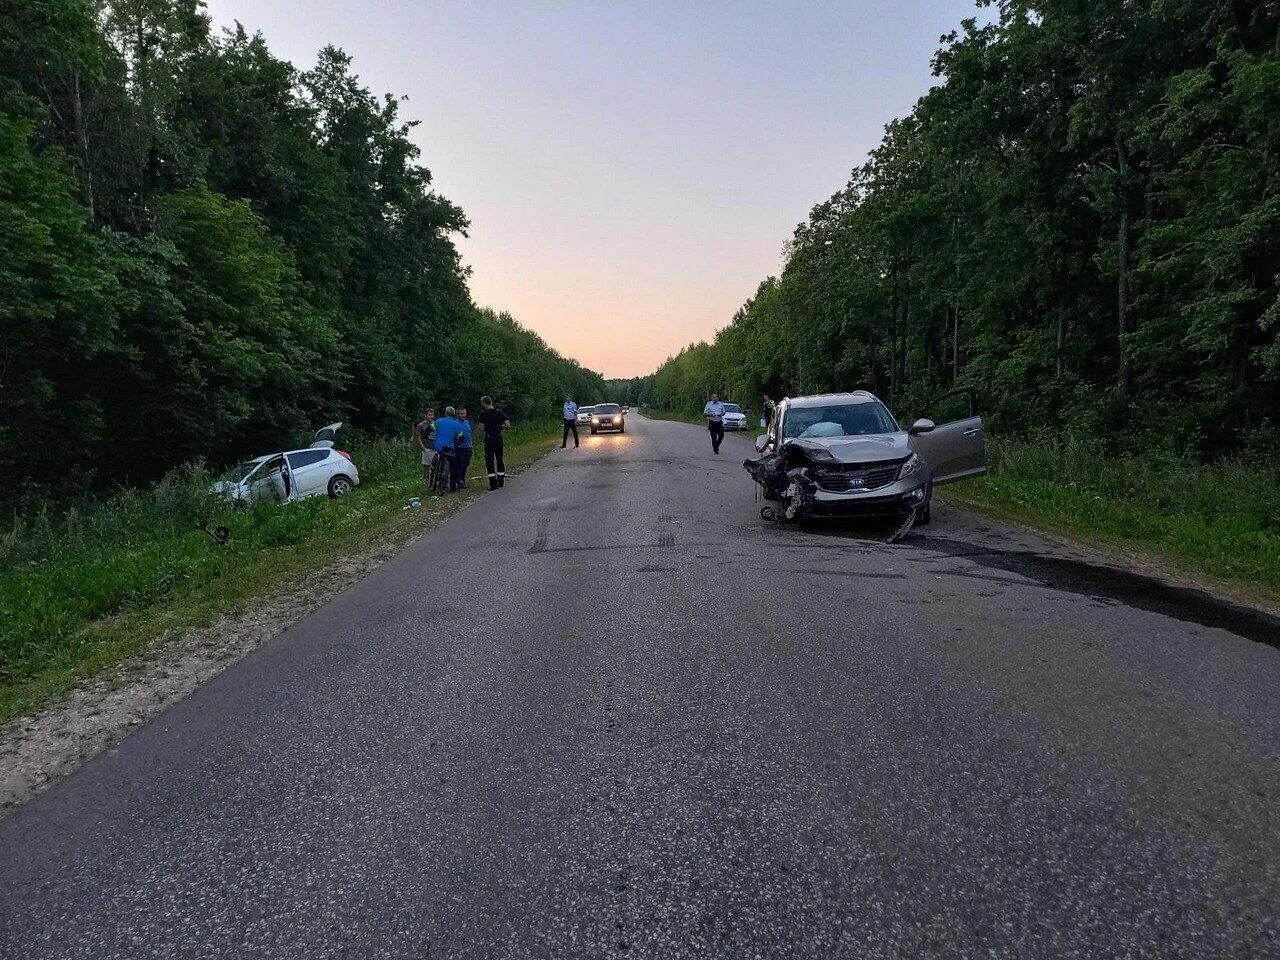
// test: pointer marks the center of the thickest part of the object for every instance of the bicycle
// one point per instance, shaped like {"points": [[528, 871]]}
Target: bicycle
{"points": [[441, 471]]}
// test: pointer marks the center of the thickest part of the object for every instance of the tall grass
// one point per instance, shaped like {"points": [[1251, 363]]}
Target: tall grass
{"points": [[1222, 519]]}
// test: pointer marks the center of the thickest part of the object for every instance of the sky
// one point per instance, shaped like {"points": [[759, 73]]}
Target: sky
{"points": [[631, 170]]}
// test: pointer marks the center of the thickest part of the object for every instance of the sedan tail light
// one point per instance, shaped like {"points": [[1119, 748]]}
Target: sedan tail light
{"points": [[345, 454]]}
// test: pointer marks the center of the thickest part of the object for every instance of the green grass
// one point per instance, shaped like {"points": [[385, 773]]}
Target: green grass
{"points": [[84, 590], [1221, 520]]}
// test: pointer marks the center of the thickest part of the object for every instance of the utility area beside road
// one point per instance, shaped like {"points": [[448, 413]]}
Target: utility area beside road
{"points": [[676, 730]]}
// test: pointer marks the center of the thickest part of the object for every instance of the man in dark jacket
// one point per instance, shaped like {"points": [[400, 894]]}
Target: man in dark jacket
{"points": [[494, 421]]}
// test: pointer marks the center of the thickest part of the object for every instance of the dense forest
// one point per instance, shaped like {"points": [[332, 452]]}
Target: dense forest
{"points": [[1080, 221], [205, 253]]}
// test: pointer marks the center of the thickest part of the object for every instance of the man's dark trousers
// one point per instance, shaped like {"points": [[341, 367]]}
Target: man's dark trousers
{"points": [[457, 471], [464, 456], [717, 434], [494, 463], [570, 426]]}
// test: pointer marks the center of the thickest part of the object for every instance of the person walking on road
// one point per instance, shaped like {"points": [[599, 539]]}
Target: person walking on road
{"points": [[766, 412], [570, 421], [714, 411], [425, 434], [464, 446], [494, 421]]}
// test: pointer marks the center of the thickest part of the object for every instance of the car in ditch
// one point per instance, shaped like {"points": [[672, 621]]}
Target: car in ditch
{"points": [[844, 455], [318, 470], [734, 418], [608, 416]]}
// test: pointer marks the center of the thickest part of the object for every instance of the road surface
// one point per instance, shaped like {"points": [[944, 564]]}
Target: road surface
{"points": [[609, 712]]}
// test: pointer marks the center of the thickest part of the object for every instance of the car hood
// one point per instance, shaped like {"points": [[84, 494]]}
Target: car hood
{"points": [[224, 487], [866, 449]]}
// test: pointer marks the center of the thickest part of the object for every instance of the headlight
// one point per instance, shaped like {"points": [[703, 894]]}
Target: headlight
{"points": [[595, 419], [911, 466], [617, 420]]}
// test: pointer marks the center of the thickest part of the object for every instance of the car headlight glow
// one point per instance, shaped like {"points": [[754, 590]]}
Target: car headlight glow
{"points": [[595, 419], [912, 464], [617, 420]]}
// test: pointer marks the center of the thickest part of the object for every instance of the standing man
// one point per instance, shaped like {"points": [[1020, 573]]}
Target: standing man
{"points": [[570, 421], [766, 412], [448, 429], [714, 411], [494, 421], [464, 445], [425, 434]]}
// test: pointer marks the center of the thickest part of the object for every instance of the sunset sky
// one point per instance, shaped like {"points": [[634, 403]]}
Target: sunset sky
{"points": [[631, 170]]}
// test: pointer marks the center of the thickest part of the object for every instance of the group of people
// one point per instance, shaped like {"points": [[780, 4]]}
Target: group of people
{"points": [[450, 437]]}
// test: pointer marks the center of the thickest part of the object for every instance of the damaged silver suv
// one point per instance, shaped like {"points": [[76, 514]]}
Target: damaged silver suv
{"points": [[844, 455]]}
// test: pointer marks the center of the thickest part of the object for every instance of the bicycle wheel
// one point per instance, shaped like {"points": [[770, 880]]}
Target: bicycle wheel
{"points": [[440, 474]]}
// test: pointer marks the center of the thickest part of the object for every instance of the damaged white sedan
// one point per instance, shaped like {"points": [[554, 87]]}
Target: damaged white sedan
{"points": [[844, 455]]}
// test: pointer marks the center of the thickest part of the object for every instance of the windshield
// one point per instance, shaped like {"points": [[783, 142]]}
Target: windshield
{"points": [[838, 420], [607, 408], [242, 471], [732, 408]]}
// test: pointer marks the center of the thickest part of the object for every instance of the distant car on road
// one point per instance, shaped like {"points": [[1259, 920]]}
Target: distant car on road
{"points": [[734, 418], [584, 415], [608, 416], [315, 471], [844, 455]]}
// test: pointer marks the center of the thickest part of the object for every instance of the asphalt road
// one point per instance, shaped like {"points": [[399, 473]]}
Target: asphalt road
{"points": [[608, 711]]}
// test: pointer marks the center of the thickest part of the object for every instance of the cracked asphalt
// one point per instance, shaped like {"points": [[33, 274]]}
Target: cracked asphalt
{"points": [[609, 712]]}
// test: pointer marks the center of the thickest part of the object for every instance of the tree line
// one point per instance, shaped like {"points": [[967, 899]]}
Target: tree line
{"points": [[205, 253], [1080, 221]]}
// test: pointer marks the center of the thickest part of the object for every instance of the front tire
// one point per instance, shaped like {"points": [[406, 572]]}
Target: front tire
{"points": [[340, 486]]}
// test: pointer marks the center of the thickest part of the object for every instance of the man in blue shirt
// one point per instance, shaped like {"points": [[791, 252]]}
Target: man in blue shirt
{"points": [[446, 443], [464, 446], [570, 421], [714, 411]]}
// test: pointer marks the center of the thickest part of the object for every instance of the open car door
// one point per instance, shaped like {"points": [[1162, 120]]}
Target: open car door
{"points": [[325, 435], [955, 449]]}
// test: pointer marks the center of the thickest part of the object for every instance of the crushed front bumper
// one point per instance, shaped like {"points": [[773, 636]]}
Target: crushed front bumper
{"points": [[894, 500]]}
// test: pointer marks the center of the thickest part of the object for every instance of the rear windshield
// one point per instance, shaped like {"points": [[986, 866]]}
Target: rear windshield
{"points": [[607, 408], [842, 420], [732, 408]]}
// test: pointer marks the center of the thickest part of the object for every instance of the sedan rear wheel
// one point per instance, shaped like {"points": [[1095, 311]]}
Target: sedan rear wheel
{"points": [[340, 486]]}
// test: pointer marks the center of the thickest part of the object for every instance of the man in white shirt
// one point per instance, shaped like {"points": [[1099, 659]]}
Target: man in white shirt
{"points": [[714, 411], [570, 421]]}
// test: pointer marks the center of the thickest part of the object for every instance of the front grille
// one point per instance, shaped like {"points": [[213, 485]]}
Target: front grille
{"points": [[847, 477]]}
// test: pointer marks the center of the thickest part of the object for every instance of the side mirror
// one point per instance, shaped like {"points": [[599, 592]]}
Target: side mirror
{"points": [[921, 426], [762, 443]]}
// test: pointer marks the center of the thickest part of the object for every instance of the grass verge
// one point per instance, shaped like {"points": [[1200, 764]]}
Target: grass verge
{"points": [[1220, 521], [84, 591]]}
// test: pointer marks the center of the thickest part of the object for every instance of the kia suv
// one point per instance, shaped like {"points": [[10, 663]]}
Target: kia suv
{"points": [[844, 455]]}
